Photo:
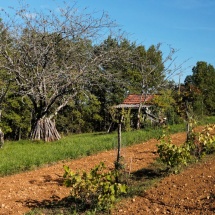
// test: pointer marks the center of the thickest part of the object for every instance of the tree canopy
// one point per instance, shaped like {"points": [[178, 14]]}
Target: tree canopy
{"points": [[70, 67], [51, 57], [203, 80]]}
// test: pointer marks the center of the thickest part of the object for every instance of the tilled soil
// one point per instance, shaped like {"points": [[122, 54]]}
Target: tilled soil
{"points": [[191, 192]]}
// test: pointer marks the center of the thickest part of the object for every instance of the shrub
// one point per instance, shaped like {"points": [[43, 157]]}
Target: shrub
{"points": [[204, 142], [96, 190], [172, 155], [198, 145]]}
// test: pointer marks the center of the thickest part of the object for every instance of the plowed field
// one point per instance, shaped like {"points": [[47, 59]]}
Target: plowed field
{"points": [[190, 192]]}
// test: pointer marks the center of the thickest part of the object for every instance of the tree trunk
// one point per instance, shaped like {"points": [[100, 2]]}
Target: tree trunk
{"points": [[44, 129], [139, 113]]}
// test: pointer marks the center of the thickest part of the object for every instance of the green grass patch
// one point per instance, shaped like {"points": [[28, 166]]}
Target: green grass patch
{"points": [[206, 120], [18, 156]]}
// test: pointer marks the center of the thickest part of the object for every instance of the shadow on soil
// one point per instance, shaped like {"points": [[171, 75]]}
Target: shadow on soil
{"points": [[47, 179], [54, 205], [138, 182], [145, 178], [148, 173]]}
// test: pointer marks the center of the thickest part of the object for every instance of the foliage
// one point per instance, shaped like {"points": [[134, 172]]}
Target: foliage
{"points": [[123, 115], [172, 155], [62, 70], [198, 145], [16, 117], [204, 142], [53, 58], [203, 80], [97, 189], [148, 73], [146, 68], [14, 110], [165, 104], [139, 71], [82, 115], [164, 99], [112, 91], [127, 119], [184, 101]]}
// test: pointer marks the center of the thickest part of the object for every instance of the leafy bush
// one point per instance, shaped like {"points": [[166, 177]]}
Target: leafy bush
{"points": [[97, 189], [204, 142], [172, 155], [198, 145]]}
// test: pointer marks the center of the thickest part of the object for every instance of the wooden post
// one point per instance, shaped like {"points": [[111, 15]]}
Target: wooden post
{"points": [[117, 165], [119, 144]]}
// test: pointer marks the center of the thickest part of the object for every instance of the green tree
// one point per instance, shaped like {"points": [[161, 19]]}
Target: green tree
{"points": [[146, 68], [5, 80], [80, 115], [149, 71], [165, 103], [112, 91], [16, 117], [203, 80]]}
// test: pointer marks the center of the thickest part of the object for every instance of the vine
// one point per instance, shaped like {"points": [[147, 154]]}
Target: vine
{"points": [[197, 146], [97, 190], [204, 141], [171, 155]]}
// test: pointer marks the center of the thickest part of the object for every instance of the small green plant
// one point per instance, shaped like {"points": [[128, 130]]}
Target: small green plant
{"points": [[197, 146], [204, 141], [127, 119], [171, 155], [96, 190]]}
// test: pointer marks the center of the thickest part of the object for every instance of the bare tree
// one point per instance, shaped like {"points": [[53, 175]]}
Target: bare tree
{"points": [[52, 56], [4, 87]]}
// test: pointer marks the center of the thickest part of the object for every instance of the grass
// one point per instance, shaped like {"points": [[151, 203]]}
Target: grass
{"points": [[207, 120], [18, 156], [27, 155]]}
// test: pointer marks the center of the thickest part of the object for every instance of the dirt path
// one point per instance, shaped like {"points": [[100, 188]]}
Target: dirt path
{"points": [[191, 191]]}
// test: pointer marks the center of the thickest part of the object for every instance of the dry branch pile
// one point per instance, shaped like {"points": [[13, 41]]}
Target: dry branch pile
{"points": [[45, 129]]}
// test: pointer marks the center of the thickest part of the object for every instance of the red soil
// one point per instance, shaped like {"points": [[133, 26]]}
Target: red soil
{"points": [[191, 192]]}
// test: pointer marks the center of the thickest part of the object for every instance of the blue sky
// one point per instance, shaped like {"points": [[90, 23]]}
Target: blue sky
{"points": [[187, 25]]}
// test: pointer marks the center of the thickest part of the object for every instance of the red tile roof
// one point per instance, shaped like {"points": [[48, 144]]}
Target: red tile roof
{"points": [[136, 99]]}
